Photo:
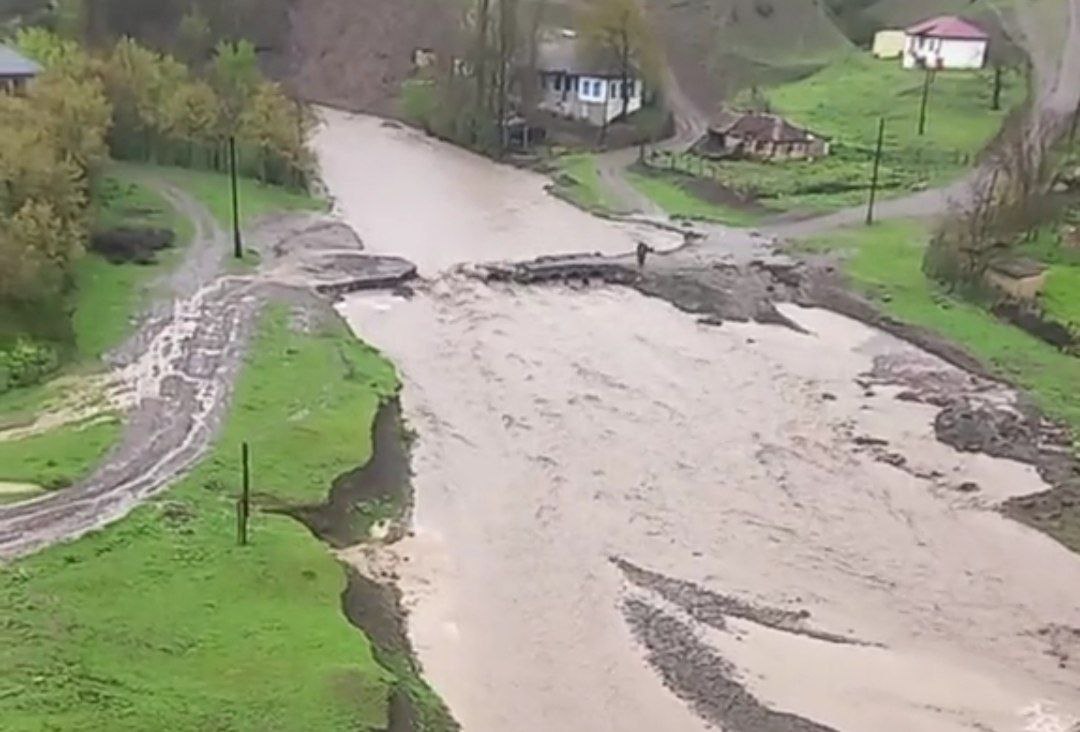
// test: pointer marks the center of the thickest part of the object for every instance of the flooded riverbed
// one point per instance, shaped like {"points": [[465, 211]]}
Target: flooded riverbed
{"points": [[842, 572]]}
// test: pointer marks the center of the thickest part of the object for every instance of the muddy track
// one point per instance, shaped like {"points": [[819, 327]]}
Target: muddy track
{"points": [[174, 377]]}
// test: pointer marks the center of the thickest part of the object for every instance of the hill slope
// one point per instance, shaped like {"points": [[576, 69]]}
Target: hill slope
{"points": [[718, 46]]}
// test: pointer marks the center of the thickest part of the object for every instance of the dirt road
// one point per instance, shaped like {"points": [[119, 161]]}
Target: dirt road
{"points": [[628, 520], [173, 378]]}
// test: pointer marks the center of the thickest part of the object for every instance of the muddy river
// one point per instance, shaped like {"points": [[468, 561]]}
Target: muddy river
{"points": [[626, 520]]}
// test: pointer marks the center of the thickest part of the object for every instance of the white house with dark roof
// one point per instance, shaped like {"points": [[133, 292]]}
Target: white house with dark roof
{"points": [[15, 70], [580, 82], [945, 42]]}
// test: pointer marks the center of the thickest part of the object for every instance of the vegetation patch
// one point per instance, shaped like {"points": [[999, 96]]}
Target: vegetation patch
{"points": [[162, 621], [58, 458], [688, 197], [577, 180], [108, 295], [214, 191]]}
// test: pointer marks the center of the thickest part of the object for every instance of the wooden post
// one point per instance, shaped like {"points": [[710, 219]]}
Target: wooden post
{"points": [[238, 248], [243, 506], [925, 101], [874, 177], [996, 105]]}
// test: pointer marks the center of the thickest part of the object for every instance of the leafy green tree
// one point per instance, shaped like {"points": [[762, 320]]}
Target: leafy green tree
{"points": [[194, 37], [56, 53], [278, 128], [75, 116], [236, 77]]}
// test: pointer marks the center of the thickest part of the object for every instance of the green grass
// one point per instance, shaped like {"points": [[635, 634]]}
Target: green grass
{"points": [[162, 622], [108, 297], [1062, 295], [578, 181], [886, 262], [213, 191], [843, 101], [667, 191], [1061, 298], [58, 458]]}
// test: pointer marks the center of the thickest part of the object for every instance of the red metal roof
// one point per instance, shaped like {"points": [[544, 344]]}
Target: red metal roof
{"points": [[948, 26]]}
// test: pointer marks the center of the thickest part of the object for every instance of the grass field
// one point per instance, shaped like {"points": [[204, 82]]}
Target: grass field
{"points": [[886, 262], [58, 458], [162, 622], [107, 296], [213, 190], [578, 181], [668, 191]]}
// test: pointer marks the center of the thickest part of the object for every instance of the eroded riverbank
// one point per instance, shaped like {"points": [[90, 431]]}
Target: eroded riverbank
{"points": [[562, 426]]}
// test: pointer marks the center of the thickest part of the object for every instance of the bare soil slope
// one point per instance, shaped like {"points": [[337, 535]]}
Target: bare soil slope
{"points": [[355, 53]]}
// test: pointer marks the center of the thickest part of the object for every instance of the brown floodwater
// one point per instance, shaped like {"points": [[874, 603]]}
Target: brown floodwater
{"points": [[561, 427]]}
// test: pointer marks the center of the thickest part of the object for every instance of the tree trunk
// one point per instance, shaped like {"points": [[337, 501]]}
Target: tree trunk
{"points": [[624, 60], [480, 66]]}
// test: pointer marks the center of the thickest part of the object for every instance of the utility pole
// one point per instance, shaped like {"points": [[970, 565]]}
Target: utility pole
{"points": [[877, 167], [243, 506], [925, 101], [238, 247]]}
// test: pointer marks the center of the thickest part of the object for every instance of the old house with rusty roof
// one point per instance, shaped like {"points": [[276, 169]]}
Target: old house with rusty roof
{"points": [[16, 71], [578, 81], [759, 135]]}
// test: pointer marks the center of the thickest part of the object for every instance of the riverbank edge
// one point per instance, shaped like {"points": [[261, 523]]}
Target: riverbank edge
{"points": [[376, 500]]}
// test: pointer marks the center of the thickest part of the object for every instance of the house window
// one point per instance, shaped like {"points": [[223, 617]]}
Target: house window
{"points": [[614, 89], [597, 89], [558, 83]]}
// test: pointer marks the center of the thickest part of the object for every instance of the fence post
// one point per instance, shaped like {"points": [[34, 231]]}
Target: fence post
{"points": [[243, 506], [874, 177]]}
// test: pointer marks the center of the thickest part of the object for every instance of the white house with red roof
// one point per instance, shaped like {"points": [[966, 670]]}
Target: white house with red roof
{"points": [[945, 42]]}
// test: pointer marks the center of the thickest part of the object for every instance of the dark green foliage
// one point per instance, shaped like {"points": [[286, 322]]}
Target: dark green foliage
{"points": [[26, 362]]}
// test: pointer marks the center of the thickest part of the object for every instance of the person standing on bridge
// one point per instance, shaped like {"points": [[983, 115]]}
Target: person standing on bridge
{"points": [[643, 250]]}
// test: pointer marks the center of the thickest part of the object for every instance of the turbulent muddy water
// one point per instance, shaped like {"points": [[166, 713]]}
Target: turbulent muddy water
{"points": [[626, 520]]}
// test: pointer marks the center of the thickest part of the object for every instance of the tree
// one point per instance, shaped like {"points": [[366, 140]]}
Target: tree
{"points": [[75, 115], [277, 127], [194, 37], [56, 53], [43, 208], [235, 76], [618, 28]]}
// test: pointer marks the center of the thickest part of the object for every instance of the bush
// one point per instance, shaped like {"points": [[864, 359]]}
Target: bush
{"points": [[25, 363]]}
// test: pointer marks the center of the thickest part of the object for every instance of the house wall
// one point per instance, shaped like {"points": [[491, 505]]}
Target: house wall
{"points": [[889, 43], [1018, 288], [944, 53], [13, 84], [767, 150], [592, 99]]}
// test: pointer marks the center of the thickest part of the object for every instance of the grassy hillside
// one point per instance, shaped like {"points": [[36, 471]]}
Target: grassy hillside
{"points": [[719, 46]]}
